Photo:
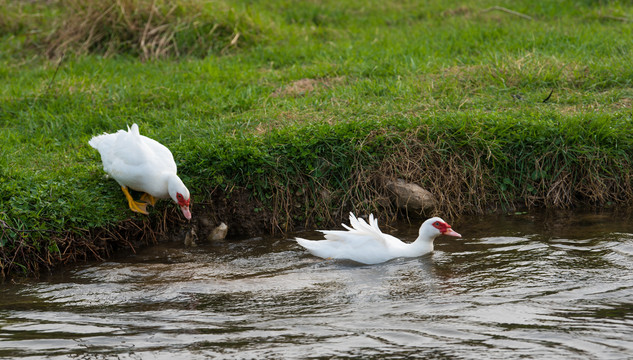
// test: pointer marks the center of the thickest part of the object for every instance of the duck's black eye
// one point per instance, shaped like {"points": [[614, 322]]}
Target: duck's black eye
{"points": [[179, 196], [437, 223]]}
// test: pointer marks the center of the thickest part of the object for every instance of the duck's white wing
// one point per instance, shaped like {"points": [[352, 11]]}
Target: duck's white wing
{"points": [[126, 161], [359, 233], [162, 154], [153, 152], [362, 242], [129, 148], [125, 157]]}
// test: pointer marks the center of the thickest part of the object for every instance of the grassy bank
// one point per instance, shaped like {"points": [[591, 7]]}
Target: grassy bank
{"points": [[283, 114]]}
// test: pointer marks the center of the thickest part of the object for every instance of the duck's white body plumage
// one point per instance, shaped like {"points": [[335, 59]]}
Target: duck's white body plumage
{"points": [[142, 164], [364, 242]]}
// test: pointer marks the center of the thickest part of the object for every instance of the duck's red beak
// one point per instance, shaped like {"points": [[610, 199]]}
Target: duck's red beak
{"points": [[186, 212], [451, 232]]}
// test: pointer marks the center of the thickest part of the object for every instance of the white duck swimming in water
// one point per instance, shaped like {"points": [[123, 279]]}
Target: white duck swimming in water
{"points": [[365, 243], [140, 163]]}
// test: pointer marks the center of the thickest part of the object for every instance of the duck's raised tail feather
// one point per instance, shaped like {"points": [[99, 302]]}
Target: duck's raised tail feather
{"points": [[359, 225], [134, 130], [308, 244], [98, 140]]}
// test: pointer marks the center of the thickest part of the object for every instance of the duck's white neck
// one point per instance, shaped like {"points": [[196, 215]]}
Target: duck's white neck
{"points": [[424, 243], [175, 185], [420, 246]]}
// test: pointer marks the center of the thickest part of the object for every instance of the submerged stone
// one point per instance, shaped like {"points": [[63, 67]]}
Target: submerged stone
{"points": [[219, 232], [190, 238]]}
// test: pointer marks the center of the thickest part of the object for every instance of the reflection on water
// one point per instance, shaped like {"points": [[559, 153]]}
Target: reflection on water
{"points": [[521, 286]]}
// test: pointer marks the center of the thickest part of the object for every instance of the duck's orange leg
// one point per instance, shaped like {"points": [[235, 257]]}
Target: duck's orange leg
{"points": [[148, 199], [136, 206]]}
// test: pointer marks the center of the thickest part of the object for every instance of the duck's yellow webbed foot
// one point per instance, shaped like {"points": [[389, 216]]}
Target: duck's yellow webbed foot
{"points": [[135, 206], [148, 199]]}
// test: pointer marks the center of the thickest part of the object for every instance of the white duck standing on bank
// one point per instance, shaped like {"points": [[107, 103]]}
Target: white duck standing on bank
{"points": [[365, 243], [142, 164]]}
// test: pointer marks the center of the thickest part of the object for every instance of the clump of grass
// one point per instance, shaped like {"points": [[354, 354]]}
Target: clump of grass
{"points": [[457, 174], [149, 29], [31, 251], [13, 18], [23, 24]]}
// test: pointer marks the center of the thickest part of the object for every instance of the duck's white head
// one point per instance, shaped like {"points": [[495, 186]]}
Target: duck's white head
{"points": [[435, 227], [180, 194]]}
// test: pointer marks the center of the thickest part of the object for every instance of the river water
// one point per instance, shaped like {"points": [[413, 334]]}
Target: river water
{"points": [[523, 285]]}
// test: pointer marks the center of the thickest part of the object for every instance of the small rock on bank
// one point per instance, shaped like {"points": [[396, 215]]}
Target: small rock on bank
{"points": [[410, 197]]}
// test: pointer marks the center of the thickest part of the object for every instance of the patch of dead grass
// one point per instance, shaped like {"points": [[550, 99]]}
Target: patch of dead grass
{"points": [[518, 72], [146, 28], [460, 181], [461, 11], [304, 86]]}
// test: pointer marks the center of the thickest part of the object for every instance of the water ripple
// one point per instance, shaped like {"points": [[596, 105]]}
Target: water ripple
{"points": [[492, 295]]}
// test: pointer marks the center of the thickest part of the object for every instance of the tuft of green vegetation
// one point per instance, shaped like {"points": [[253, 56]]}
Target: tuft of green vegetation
{"points": [[285, 114]]}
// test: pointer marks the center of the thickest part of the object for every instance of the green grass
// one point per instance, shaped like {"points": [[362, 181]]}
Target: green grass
{"points": [[319, 97]]}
